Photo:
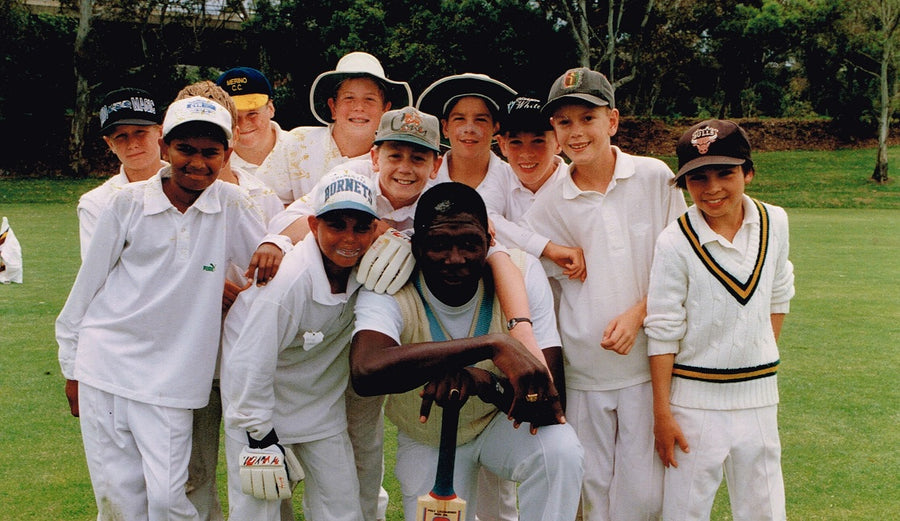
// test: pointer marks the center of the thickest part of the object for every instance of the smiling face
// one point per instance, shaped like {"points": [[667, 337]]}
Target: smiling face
{"points": [[403, 170], [255, 126], [469, 126], [584, 131], [136, 146], [196, 162], [343, 237], [451, 255], [530, 155], [717, 191], [358, 105]]}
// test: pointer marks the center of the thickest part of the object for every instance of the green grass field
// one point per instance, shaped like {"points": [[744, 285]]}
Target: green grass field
{"points": [[840, 407]]}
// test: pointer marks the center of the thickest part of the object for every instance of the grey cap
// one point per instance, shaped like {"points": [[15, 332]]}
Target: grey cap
{"points": [[580, 84], [410, 126]]}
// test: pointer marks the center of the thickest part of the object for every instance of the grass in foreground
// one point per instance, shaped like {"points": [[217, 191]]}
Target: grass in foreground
{"points": [[839, 407]]}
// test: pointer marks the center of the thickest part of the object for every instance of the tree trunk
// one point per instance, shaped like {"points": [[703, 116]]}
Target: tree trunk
{"points": [[880, 175], [78, 166]]}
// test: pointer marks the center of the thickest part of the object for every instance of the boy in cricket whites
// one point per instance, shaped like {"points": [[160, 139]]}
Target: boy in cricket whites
{"points": [[527, 141], [720, 286], [139, 334], [285, 367], [130, 123], [613, 205]]}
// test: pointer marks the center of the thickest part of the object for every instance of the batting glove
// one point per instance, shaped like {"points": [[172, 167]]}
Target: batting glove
{"points": [[387, 264], [268, 471]]}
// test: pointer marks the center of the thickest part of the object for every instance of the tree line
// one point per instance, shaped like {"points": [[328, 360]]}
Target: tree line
{"points": [[667, 58]]}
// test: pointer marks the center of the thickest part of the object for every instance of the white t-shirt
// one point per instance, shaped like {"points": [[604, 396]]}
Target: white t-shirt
{"points": [[381, 312], [617, 231], [143, 318], [285, 353], [496, 166], [507, 200]]}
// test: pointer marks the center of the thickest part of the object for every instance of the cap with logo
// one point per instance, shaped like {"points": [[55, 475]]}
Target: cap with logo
{"points": [[524, 115], [439, 97], [410, 126], [580, 84], [194, 109], [128, 106], [355, 65], [343, 189], [712, 142], [248, 88]]}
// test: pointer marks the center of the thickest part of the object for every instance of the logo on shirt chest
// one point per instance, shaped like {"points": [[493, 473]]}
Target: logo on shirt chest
{"points": [[209, 267]]}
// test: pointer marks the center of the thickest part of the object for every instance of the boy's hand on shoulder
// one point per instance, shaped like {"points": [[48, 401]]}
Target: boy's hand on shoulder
{"points": [[668, 433], [622, 331], [570, 259], [264, 263]]}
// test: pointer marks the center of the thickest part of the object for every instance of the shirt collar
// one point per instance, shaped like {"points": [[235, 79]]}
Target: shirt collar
{"points": [[156, 201], [705, 234]]}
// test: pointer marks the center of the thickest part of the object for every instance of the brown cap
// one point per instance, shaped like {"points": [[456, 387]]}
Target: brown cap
{"points": [[712, 142]]}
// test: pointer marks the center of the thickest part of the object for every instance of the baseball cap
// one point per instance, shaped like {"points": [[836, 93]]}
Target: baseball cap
{"points": [[248, 88], [410, 126], [450, 198], [128, 106], [581, 84], [355, 65], [712, 142], [197, 108], [344, 189], [441, 95], [524, 114]]}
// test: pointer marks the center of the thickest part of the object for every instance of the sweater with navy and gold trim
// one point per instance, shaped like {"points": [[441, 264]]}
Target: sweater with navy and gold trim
{"points": [[710, 303]]}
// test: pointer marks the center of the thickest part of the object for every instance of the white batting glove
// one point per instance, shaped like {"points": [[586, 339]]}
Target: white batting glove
{"points": [[387, 264], [269, 472]]}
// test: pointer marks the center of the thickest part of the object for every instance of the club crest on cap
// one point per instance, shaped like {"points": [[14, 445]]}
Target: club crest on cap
{"points": [[409, 122], [200, 106], [572, 79], [702, 138]]}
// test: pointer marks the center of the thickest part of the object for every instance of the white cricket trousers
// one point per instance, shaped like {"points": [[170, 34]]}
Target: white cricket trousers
{"points": [[623, 476], [741, 443], [365, 425], [547, 466], [331, 488], [137, 455]]}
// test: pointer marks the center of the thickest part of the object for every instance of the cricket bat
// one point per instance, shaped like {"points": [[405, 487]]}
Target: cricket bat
{"points": [[442, 503]]}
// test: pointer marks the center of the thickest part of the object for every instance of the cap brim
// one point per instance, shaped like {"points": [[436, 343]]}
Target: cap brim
{"points": [[250, 101], [551, 105], [433, 98], [410, 139], [398, 92], [346, 205], [138, 122], [700, 162]]}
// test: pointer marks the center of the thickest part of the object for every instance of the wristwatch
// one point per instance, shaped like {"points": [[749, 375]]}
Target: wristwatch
{"points": [[513, 321]]}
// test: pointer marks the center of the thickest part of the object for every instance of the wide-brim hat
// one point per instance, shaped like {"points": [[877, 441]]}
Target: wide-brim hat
{"points": [[712, 142], [440, 95], [355, 65]]}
